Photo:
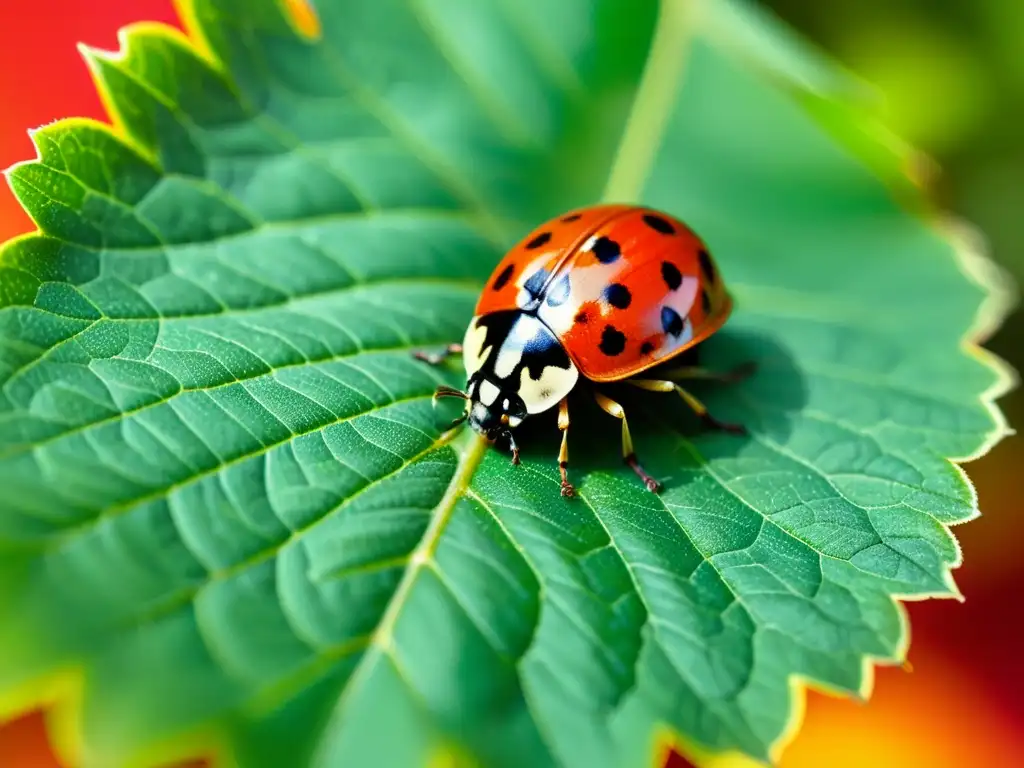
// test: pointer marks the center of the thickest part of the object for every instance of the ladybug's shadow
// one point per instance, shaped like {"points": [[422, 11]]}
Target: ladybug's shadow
{"points": [[671, 442]]}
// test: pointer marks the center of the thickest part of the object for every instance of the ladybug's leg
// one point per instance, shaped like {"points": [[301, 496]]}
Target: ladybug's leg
{"points": [[563, 454], [515, 448], [628, 454], [458, 420], [698, 407], [436, 358], [739, 373], [445, 391]]}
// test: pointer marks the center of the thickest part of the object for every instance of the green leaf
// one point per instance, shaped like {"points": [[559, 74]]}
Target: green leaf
{"points": [[231, 518]]}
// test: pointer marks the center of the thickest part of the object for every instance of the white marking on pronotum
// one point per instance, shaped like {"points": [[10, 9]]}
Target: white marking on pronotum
{"points": [[488, 392], [508, 358], [544, 392], [473, 346], [525, 329]]}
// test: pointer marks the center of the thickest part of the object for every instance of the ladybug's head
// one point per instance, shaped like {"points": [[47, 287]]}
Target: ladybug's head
{"points": [[516, 367], [492, 411]]}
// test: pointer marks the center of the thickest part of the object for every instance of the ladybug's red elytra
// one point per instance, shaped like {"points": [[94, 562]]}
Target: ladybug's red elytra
{"points": [[599, 294]]}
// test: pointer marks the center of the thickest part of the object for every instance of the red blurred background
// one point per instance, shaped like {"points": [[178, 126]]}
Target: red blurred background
{"points": [[960, 706]]}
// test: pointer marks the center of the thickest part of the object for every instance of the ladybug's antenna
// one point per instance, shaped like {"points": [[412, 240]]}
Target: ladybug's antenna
{"points": [[443, 391]]}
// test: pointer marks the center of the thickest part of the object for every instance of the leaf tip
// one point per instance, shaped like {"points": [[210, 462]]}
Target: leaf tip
{"points": [[12, 170], [87, 51], [94, 56], [952, 591]]}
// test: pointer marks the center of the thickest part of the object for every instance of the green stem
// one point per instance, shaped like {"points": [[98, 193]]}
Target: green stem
{"points": [[472, 455], [383, 637]]}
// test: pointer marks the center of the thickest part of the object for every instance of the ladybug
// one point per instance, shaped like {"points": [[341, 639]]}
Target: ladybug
{"points": [[597, 295]]}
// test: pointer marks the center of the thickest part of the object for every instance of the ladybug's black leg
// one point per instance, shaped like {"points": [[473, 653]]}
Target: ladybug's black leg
{"points": [[458, 420], [563, 454], [698, 407], [436, 358], [612, 408]]}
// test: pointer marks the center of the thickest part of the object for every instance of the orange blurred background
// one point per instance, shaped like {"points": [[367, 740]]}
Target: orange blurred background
{"points": [[960, 706]]}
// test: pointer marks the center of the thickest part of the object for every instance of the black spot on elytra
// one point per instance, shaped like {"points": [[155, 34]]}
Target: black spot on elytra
{"points": [[705, 301], [646, 348], [671, 322], [538, 241], [582, 317], [606, 250], [570, 217], [706, 265], [659, 224], [502, 280], [618, 295], [671, 275], [558, 293], [613, 341]]}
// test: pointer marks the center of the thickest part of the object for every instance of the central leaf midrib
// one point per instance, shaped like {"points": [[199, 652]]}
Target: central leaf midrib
{"points": [[469, 460], [188, 595]]}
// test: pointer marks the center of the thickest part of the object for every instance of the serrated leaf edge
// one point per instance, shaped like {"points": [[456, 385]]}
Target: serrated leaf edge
{"points": [[60, 693]]}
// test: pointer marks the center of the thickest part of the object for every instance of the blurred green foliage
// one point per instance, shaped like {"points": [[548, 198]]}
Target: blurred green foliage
{"points": [[951, 79]]}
